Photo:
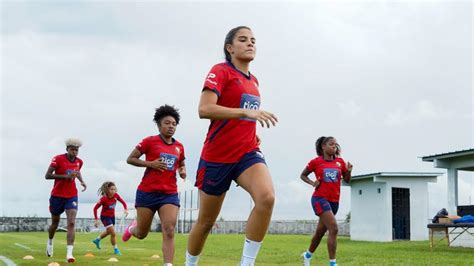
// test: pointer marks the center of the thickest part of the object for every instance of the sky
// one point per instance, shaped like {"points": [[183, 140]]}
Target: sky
{"points": [[392, 81]]}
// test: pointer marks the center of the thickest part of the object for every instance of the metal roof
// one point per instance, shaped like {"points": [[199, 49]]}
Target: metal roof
{"points": [[397, 174], [430, 158]]}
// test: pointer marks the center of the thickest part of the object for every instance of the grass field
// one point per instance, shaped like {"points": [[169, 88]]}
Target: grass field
{"points": [[226, 250]]}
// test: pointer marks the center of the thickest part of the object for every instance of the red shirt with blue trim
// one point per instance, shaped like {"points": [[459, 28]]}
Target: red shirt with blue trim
{"points": [[108, 205], [228, 140], [65, 188], [329, 174], [154, 180]]}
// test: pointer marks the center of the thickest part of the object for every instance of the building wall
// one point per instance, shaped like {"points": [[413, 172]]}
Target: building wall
{"points": [[371, 204], [371, 218], [419, 216]]}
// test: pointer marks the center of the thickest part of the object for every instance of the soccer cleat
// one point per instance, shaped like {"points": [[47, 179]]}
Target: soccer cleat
{"points": [[306, 261], [70, 259], [49, 250], [332, 264], [127, 234], [117, 252], [96, 242]]}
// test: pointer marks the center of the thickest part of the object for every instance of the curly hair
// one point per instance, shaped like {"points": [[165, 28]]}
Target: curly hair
{"points": [[105, 186], [166, 110]]}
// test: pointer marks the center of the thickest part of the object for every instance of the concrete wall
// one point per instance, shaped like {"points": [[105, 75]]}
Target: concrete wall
{"points": [[372, 211], [371, 218], [31, 224], [419, 216]]}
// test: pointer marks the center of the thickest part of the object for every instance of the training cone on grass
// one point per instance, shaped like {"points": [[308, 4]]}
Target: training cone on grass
{"points": [[113, 260], [156, 256], [28, 257], [54, 264], [89, 255]]}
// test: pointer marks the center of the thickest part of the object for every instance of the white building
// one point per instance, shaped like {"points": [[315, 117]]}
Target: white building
{"points": [[390, 205], [454, 162]]}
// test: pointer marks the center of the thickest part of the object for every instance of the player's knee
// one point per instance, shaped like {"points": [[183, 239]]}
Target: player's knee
{"points": [[168, 231], [141, 234], [71, 224], [205, 226], [333, 229], [266, 201]]}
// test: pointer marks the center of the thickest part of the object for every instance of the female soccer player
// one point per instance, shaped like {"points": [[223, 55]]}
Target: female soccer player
{"points": [[109, 199], [328, 169], [230, 99], [64, 169], [158, 191]]}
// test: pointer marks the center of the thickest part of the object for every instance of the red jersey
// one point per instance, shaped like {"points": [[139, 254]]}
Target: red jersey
{"points": [[173, 154], [329, 173], [108, 205], [228, 140], [65, 188]]}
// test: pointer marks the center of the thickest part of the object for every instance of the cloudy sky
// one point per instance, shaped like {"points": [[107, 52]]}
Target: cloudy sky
{"points": [[392, 81]]}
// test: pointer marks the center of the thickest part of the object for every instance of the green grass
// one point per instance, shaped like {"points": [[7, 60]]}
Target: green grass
{"points": [[227, 249]]}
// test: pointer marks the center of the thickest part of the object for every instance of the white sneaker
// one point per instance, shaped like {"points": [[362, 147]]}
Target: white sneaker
{"points": [[306, 261], [49, 250]]}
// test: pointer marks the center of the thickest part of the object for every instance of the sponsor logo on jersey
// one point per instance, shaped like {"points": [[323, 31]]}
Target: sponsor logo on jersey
{"points": [[251, 102], [112, 206], [330, 175], [338, 164], [209, 78], [169, 159]]}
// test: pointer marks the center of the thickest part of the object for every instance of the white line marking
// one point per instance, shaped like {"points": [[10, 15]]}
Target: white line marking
{"points": [[7, 261], [22, 246]]}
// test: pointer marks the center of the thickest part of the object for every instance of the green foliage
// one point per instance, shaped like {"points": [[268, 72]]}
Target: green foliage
{"points": [[227, 249]]}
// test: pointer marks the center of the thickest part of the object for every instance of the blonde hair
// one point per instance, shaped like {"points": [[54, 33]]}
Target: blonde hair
{"points": [[103, 189], [73, 142]]}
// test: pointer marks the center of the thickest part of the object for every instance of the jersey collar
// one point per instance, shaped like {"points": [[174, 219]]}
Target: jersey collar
{"points": [[245, 75], [172, 140]]}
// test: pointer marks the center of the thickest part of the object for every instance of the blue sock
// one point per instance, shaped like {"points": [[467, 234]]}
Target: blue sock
{"points": [[308, 254], [332, 262]]}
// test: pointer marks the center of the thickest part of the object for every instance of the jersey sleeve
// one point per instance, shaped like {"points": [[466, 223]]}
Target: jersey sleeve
{"points": [[181, 155], [310, 166], [54, 162], [216, 79], [143, 145], [96, 207], [343, 167], [117, 196]]}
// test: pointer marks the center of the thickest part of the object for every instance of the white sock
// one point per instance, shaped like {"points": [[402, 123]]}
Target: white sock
{"points": [[98, 238], [332, 261], [69, 251], [168, 264], [50, 242], [250, 252], [115, 246], [191, 260]]}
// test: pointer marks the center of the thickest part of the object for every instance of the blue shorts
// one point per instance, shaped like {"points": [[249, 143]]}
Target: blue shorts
{"points": [[321, 205], [107, 221], [57, 205], [154, 200], [216, 178]]}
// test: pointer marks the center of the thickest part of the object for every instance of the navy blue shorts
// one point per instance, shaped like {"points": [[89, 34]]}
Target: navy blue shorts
{"points": [[57, 205], [107, 221], [216, 178], [321, 205], [154, 200]]}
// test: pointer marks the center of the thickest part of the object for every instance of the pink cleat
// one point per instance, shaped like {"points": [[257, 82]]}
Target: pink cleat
{"points": [[127, 234]]}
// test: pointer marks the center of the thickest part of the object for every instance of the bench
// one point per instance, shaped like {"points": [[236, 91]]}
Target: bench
{"points": [[450, 229]]}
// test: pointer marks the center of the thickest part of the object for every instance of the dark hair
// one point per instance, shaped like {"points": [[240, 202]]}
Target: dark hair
{"points": [[229, 38], [323, 140], [166, 110], [103, 189]]}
